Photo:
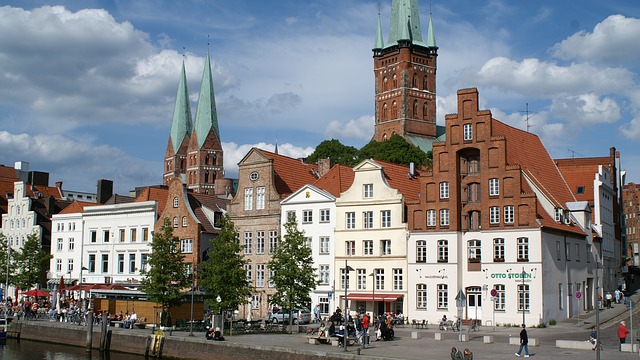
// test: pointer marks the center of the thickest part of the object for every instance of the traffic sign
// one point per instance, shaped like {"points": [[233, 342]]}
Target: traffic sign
{"points": [[461, 299], [494, 292], [578, 294], [330, 294]]}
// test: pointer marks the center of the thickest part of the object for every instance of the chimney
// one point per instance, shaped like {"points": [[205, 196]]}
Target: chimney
{"points": [[59, 184], [324, 165], [49, 204], [105, 190]]}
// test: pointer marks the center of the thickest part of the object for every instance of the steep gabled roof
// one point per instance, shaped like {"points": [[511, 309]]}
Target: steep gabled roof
{"points": [[198, 202], [337, 180], [76, 207], [526, 149], [398, 177], [290, 174], [579, 174], [206, 113], [181, 125], [154, 193]]}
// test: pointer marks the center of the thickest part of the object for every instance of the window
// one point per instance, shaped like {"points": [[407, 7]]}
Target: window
{"points": [[558, 252], [273, 241], [475, 250], [132, 263], [105, 236], [309, 242], [385, 247], [443, 250], [121, 233], [523, 297], [255, 302], [421, 251], [344, 278], [186, 246], [248, 273], [260, 275], [523, 249], [421, 296], [379, 273], [588, 253], [558, 215], [351, 220], [324, 244], [259, 242], [260, 198], [184, 221], [444, 217], [494, 215], [473, 164], [508, 214], [367, 219], [120, 263], [385, 216], [367, 246], [144, 261], [134, 235], [468, 132], [368, 191], [350, 247], [175, 202], [567, 251], [324, 305], [105, 263], [175, 221], [560, 296], [248, 199], [60, 244], [494, 187], [398, 279], [92, 263], [145, 234], [431, 218], [248, 239], [71, 243], [291, 215], [580, 190], [361, 279], [444, 190], [498, 249], [325, 215], [499, 300], [307, 216], [473, 194], [443, 296], [58, 265], [577, 252], [324, 274]]}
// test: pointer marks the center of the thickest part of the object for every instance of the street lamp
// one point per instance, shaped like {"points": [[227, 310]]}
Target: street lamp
{"points": [[193, 285], [219, 300], [80, 291], [373, 292], [347, 269]]}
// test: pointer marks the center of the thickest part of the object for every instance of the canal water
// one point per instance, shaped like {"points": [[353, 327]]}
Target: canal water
{"points": [[32, 350]]}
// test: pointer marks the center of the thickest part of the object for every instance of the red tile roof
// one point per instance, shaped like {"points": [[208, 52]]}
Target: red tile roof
{"points": [[338, 179], [76, 207], [578, 173], [397, 177], [290, 174], [158, 194]]}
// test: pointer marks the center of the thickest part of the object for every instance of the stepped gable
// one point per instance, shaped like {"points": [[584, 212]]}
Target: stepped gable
{"points": [[397, 176], [337, 180], [526, 149], [290, 174], [76, 207]]}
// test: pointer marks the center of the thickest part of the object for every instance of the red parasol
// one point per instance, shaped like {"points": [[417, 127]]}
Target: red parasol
{"points": [[36, 293]]}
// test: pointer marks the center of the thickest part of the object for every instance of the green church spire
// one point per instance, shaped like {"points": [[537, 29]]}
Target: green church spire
{"points": [[206, 114], [181, 125], [431, 36], [379, 43], [405, 22]]}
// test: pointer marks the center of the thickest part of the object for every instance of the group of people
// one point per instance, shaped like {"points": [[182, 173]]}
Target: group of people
{"points": [[456, 354], [617, 296], [379, 328], [214, 334]]}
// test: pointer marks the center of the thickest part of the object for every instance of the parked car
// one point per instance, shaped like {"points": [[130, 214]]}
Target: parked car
{"points": [[300, 316]]}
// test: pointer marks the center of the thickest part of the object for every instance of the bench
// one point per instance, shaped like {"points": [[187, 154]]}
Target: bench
{"points": [[117, 324], [516, 341], [337, 341], [141, 323], [317, 340], [574, 344]]}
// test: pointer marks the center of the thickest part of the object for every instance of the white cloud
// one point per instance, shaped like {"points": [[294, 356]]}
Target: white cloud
{"points": [[586, 109], [360, 128], [234, 153], [290, 20], [611, 41]]}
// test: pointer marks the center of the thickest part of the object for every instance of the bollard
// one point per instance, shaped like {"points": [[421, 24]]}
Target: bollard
{"points": [[89, 331]]}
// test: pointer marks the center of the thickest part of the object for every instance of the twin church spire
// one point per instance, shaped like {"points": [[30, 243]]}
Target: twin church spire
{"points": [[194, 150]]}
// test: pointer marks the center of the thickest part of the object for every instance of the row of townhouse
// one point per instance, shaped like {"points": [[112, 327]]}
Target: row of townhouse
{"points": [[388, 238]]}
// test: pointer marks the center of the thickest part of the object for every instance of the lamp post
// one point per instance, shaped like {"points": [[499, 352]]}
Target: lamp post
{"points": [[193, 285], [80, 291], [219, 300], [6, 284], [373, 292], [347, 269]]}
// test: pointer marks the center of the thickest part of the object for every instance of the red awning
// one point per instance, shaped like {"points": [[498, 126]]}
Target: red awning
{"points": [[370, 297]]}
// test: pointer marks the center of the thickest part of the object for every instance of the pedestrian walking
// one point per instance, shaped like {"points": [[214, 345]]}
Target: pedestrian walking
{"points": [[622, 333], [524, 342], [468, 355], [618, 295], [608, 298]]}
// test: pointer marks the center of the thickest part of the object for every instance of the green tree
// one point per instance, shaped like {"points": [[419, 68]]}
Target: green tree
{"points": [[30, 262], [223, 274], [292, 269], [334, 150], [4, 256], [395, 150], [166, 276]]}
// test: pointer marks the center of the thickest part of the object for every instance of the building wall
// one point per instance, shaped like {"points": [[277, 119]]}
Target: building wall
{"points": [[66, 248], [20, 221]]}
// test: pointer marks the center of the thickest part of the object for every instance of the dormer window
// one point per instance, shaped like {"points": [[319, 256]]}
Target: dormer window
{"points": [[580, 190]]}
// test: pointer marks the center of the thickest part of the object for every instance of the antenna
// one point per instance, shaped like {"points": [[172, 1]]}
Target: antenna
{"points": [[573, 153], [526, 112]]}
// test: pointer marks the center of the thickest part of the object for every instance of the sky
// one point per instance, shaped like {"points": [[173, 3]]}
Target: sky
{"points": [[87, 88]]}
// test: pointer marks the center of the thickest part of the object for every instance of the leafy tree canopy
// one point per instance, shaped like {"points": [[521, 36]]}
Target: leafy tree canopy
{"points": [[223, 274], [395, 150], [29, 262], [336, 151], [166, 275], [292, 268], [4, 256]]}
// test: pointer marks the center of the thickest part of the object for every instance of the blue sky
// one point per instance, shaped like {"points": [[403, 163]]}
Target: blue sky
{"points": [[87, 88]]}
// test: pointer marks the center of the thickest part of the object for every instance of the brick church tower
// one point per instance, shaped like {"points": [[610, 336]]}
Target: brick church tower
{"points": [[405, 77], [198, 160]]}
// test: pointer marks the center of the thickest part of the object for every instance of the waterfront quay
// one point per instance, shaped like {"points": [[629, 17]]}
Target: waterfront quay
{"points": [[180, 345]]}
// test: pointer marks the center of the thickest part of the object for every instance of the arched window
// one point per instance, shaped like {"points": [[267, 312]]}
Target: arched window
{"points": [[415, 109], [207, 159], [424, 83], [395, 81], [385, 84], [384, 111], [175, 221], [184, 221], [425, 110], [414, 82], [206, 176], [175, 202], [394, 110]]}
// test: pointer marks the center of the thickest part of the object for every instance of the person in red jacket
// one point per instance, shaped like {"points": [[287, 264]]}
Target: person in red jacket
{"points": [[622, 333]]}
